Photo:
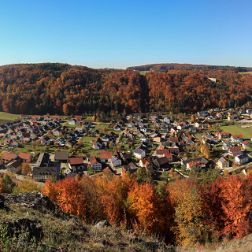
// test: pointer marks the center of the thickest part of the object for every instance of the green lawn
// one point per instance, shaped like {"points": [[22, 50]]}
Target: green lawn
{"points": [[238, 130], [8, 117], [102, 126]]}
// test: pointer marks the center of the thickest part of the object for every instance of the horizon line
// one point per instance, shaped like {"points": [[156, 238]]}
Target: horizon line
{"points": [[125, 67]]}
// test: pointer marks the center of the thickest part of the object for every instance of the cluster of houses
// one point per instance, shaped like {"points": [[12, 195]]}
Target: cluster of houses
{"points": [[156, 143], [234, 150], [44, 131]]}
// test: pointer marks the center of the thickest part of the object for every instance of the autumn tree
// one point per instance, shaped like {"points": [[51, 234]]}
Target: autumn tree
{"points": [[150, 210], [189, 226], [227, 203], [205, 150], [236, 205], [113, 192], [77, 196], [25, 169]]}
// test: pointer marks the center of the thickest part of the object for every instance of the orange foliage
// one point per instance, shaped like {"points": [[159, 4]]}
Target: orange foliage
{"points": [[52, 88], [113, 192], [228, 205], [75, 196], [192, 212], [148, 208]]}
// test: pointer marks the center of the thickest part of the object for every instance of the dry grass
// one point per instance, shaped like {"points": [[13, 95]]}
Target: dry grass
{"points": [[72, 235], [69, 234]]}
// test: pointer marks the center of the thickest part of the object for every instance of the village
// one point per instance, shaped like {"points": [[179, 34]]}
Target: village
{"points": [[156, 147]]}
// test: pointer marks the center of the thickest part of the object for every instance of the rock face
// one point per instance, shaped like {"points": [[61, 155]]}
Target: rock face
{"points": [[34, 200], [30, 229]]}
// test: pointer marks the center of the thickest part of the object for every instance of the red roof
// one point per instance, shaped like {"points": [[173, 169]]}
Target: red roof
{"points": [[76, 161], [25, 156], [174, 139], [8, 156], [245, 142], [164, 152], [235, 149], [106, 154], [145, 161], [93, 161]]}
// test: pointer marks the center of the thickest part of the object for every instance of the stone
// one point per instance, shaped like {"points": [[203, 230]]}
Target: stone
{"points": [[102, 224]]}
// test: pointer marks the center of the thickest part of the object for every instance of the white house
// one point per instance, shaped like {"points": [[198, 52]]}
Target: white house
{"points": [[72, 122], [222, 163], [115, 162], [139, 153], [241, 159], [212, 79], [167, 120]]}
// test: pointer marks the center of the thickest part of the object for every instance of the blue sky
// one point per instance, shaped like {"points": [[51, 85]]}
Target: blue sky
{"points": [[121, 33]]}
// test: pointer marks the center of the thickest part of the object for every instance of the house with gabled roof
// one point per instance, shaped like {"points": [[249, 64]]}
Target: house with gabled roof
{"points": [[131, 167], [234, 151], [77, 164], [115, 162], [25, 156], [97, 144], [222, 163], [163, 153], [105, 156], [7, 156], [139, 153], [190, 164], [96, 166], [241, 159], [161, 163], [42, 174], [61, 156]]}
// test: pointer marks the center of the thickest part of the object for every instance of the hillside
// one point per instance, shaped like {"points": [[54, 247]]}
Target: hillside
{"points": [[31, 222], [65, 89]]}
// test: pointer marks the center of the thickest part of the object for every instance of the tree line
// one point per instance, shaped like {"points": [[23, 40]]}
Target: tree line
{"points": [[185, 212], [65, 89]]}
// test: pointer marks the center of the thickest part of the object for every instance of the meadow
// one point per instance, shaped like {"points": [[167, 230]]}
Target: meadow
{"points": [[8, 117], [238, 130]]}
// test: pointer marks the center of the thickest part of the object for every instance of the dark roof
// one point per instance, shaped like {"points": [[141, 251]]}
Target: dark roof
{"points": [[162, 161], [42, 159], [61, 155], [45, 171], [14, 164], [244, 155]]}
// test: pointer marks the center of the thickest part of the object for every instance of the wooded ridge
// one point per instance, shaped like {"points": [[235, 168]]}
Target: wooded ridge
{"points": [[64, 89]]}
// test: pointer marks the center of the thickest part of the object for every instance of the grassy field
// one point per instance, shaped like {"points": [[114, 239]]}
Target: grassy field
{"points": [[8, 117], [245, 73], [238, 130]]}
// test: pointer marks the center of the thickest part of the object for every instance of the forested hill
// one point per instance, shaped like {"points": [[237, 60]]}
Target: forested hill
{"points": [[173, 66], [66, 89]]}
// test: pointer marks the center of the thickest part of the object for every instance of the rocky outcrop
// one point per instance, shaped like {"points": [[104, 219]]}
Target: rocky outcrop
{"points": [[34, 200]]}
